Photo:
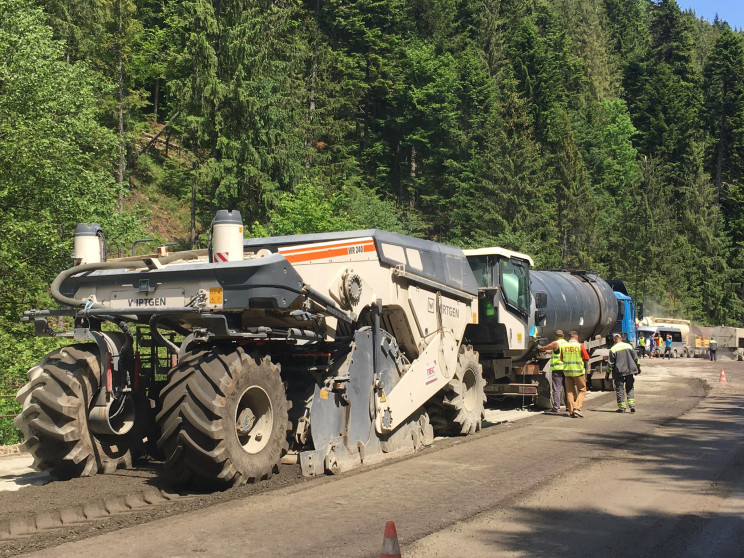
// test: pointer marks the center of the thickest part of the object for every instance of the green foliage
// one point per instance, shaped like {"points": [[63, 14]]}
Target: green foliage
{"points": [[311, 209], [55, 158]]}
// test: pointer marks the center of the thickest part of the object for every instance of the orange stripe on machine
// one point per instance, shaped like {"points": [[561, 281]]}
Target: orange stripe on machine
{"points": [[325, 250]]}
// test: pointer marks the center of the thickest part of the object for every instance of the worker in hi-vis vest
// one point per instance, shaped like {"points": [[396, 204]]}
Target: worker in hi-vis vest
{"points": [[574, 355], [624, 366], [556, 370]]}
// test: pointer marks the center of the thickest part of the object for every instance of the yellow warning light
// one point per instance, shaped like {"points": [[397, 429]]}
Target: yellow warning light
{"points": [[323, 394]]}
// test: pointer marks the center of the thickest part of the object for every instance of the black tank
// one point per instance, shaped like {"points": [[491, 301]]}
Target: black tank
{"points": [[576, 300]]}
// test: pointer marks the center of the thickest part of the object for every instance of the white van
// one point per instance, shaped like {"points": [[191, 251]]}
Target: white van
{"points": [[663, 331]]}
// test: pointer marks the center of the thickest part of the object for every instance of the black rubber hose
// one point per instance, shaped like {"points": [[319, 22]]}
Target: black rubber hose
{"points": [[160, 338]]}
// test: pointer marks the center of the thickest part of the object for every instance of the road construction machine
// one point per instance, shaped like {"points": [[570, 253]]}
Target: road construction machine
{"points": [[334, 350], [339, 349]]}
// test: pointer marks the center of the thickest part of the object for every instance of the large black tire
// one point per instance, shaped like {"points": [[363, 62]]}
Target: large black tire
{"points": [[54, 420], [543, 400], [208, 397], [458, 410]]}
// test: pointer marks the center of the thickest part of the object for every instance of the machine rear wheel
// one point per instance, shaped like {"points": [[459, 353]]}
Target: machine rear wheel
{"points": [[54, 420], [223, 418], [458, 409]]}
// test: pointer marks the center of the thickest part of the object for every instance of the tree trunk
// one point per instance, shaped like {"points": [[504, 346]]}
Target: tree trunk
{"points": [[156, 98], [193, 208]]}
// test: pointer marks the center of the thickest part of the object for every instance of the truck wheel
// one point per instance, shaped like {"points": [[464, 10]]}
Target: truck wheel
{"points": [[458, 408], [543, 400], [223, 418], [54, 420]]}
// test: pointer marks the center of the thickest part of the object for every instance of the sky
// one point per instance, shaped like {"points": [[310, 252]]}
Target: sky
{"points": [[728, 10]]}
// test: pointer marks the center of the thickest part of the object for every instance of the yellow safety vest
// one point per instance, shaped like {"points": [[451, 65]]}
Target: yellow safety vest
{"points": [[556, 364], [573, 364]]}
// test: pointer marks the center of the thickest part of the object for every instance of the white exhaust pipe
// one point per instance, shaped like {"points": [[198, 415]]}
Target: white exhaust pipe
{"points": [[89, 244], [227, 237]]}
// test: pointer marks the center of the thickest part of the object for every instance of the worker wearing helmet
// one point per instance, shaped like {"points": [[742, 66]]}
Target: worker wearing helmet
{"points": [[624, 366], [556, 369], [573, 355]]}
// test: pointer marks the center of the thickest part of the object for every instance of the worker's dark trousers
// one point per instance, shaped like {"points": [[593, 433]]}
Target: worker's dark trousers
{"points": [[557, 381], [712, 355], [623, 385]]}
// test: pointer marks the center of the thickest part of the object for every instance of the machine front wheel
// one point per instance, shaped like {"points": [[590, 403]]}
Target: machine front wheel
{"points": [[224, 418]]}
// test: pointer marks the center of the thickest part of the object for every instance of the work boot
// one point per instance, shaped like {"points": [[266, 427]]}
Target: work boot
{"points": [[620, 411], [632, 409]]}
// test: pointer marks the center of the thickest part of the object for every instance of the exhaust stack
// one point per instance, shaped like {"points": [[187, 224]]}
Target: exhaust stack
{"points": [[89, 244], [227, 237]]}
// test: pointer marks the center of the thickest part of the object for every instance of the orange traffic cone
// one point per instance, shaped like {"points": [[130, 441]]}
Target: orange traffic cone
{"points": [[722, 378], [390, 546]]}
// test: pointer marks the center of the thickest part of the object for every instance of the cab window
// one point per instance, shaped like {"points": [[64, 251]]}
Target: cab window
{"points": [[482, 267], [515, 284]]}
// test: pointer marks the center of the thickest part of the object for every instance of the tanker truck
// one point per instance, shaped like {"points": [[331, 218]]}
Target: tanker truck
{"points": [[519, 306]]}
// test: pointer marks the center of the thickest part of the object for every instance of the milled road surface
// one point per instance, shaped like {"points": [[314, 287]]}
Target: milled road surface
{"points": [[663, 481]]}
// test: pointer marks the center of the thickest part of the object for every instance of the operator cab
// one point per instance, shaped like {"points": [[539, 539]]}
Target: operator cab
{"points": [[503, 279], [505, 271]]}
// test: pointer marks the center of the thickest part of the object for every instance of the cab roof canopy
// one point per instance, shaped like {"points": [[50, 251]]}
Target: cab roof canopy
{"points": [[497, 251]]}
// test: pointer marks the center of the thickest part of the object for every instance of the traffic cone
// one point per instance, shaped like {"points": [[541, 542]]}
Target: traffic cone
{"points": [[722, 378], [390, 546]]}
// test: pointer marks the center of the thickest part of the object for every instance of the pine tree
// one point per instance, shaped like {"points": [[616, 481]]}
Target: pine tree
{"points": [[590, 43], [235, 69], [628, 27], [724, 118]]}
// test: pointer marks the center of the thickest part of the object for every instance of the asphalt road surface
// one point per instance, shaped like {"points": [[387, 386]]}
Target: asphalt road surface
{"points": [[665, 481]]}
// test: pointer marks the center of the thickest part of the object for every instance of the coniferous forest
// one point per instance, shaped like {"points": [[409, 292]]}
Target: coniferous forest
{"points": [[605, 135]]}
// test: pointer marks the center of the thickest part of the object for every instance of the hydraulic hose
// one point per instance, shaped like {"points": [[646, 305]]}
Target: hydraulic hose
{"points": [[77, 303], [160, 338]]}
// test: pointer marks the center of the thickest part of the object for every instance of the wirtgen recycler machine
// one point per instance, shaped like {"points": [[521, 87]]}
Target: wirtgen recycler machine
{"points": [[340, 348]]}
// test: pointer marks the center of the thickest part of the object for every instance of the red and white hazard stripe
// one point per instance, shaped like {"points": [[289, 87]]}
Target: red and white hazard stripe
{"points": [[222, 256]]}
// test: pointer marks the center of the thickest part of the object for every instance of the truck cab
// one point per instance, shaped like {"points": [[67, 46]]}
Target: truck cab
{"points": [[626, 312]]}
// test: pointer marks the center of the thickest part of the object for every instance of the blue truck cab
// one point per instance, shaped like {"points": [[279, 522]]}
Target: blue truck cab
{"points": [[626, 312]]}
